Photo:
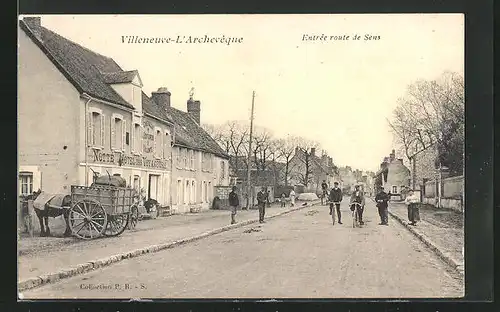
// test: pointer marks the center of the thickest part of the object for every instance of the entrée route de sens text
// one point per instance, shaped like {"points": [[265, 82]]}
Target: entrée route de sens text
{"points": [[323, 37]]}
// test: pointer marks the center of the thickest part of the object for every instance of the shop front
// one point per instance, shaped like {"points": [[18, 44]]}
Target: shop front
{"points": [[145, 174]]}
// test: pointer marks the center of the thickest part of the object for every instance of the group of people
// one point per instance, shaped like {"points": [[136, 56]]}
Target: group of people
{"points": [[382, 203], [335, 197], [262, 200]]}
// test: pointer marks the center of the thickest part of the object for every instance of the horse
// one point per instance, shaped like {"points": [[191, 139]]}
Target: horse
{"points": [[51, 205]]}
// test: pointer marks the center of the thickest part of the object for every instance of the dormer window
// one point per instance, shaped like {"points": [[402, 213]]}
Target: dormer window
{"points": [[128, 85]]}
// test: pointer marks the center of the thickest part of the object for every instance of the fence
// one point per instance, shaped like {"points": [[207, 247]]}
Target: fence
{"points": [[451, 190]]}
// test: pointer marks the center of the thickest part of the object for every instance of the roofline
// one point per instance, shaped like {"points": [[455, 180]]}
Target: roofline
{"points": [[160, 119], [200, 150], [27, 30], [119, 106]]}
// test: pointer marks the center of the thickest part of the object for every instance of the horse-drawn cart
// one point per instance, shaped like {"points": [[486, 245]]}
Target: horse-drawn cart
{"points": [[104, 208]]}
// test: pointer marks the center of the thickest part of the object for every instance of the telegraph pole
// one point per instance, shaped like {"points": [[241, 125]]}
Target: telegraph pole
{"points": [[249, 185]]}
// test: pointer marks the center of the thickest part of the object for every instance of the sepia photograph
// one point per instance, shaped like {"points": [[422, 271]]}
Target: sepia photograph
{"points": [[241, 156]]}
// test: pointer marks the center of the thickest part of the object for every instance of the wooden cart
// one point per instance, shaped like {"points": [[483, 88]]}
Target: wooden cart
{"points": [[101, 210]]}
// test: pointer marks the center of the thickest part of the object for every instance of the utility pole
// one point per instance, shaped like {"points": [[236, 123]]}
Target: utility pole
{"points": [[249, 185]]}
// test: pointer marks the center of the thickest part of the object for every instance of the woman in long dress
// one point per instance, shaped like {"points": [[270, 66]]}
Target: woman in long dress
{"points": [[292, 198], [411, 201]]}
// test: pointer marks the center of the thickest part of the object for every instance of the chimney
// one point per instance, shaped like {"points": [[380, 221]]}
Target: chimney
{"points": [[162, 97], [313, 151], [193, 108], [393, 155], [35, 24]]}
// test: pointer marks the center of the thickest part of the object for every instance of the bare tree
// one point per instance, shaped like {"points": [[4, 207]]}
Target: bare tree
{"points": [[232, 137], [432, 113], [286, 150], [237, 133], [218, 133], [305, 146]]}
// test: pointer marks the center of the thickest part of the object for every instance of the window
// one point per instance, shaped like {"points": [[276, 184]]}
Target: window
{"points": [[178, 157], [203, 161], [203, 191], [95, 128], [179, 192], [192, 160], [187, 192], [184, 158], [136, 138], [166, 146], [137, 183], [118, 133], [26, 183], [193, 192], [394, 189]]}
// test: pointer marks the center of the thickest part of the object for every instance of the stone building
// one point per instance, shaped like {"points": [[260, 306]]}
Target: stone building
{"points": [[393, 175]]}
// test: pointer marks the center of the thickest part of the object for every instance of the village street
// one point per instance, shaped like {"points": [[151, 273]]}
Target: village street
{"points": [[297, 255]]}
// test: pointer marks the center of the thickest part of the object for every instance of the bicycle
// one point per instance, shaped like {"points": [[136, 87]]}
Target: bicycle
{"points": [[333, 210], [355, 213]]}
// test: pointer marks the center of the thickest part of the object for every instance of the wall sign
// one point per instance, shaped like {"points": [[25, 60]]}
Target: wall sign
{"points": [[119, 159], [148, 139]]}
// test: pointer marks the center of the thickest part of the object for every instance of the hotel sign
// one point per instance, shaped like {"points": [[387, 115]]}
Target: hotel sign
{"points": [[119, 159]]}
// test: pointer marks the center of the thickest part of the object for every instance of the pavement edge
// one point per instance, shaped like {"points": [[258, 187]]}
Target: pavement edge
{"points": [[458, 266], [100, 263]]}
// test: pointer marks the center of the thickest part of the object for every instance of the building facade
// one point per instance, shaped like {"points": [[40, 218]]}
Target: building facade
{"points": [[393, 175], [81, 115], [320, 169]]}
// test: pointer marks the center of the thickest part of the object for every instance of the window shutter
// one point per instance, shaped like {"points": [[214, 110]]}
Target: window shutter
{"points": [[113, 130], [132, 139], [102, 130], [90, 131], [141, 140], [124, 134]]}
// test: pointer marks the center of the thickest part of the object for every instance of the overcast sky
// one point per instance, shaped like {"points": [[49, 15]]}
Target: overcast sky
{"points": [[338, 93]]}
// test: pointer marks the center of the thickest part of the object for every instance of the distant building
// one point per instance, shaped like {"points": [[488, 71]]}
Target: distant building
{"points": [[320, 169], [393, 175]]}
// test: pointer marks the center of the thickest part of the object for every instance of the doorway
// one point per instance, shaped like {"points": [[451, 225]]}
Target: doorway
{"points": [[153, 187]]}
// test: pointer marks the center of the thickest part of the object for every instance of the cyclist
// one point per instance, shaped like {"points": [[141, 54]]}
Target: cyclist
{"points": [[358, 197], [324, 188], [335, 199]]}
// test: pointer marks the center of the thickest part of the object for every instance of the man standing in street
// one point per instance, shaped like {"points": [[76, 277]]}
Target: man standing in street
{"points": [[234, 202], [358, 197], [382, 200], [261, 202], [335, 199]]}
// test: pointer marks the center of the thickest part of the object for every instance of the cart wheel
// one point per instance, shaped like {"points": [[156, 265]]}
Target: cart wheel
{"points": [[134, 217], [87, 219], [117, 223]]}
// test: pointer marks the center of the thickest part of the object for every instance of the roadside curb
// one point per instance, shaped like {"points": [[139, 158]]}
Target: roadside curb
{"points": [[446, 257], [100, 263]]}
